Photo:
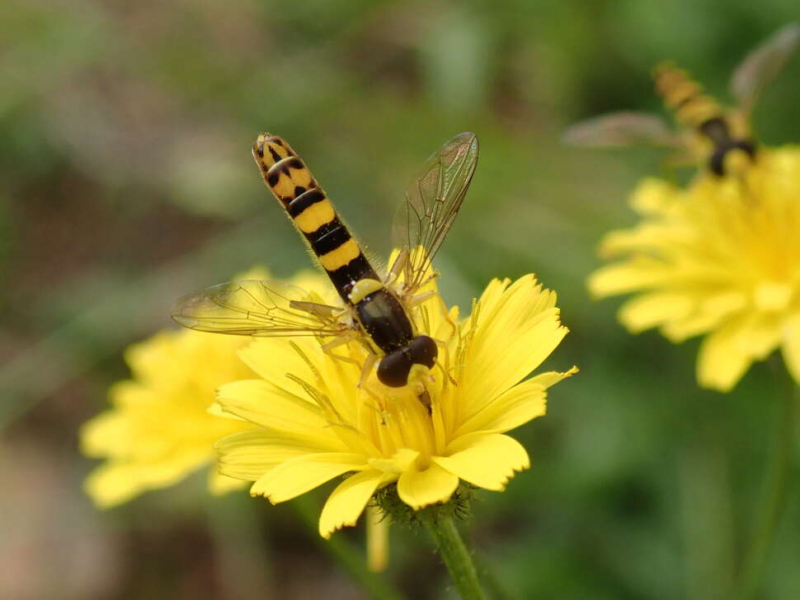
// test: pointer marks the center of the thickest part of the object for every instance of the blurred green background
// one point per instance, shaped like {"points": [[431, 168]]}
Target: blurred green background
{"points": [[126, 181]]}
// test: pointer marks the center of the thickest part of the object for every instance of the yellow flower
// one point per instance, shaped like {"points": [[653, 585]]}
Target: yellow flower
{"points": [[721, 258], [160, 428], [314, 423]]}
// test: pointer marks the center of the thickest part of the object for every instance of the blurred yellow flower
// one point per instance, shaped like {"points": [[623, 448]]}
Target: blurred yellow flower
{"points": [[722, 258], [160, 427], [312, 423]]}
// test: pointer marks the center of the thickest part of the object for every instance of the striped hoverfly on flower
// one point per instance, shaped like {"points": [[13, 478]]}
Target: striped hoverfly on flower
{"points": [[375, 310], [710, 134]]}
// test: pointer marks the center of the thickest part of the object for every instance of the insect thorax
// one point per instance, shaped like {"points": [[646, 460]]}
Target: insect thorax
{"points": [[384, 319]]}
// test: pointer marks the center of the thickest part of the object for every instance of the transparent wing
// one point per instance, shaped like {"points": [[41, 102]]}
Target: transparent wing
{"points": [[431, 205], [762, 66], [622, 129], [257, 308]]}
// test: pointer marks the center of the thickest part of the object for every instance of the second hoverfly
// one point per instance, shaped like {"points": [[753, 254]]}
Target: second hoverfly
{"points": [[377, 310], [719, 137]]}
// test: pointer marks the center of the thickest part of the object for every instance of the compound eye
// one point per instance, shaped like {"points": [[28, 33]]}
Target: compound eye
{"points": [[423, 351], [394, 368]]}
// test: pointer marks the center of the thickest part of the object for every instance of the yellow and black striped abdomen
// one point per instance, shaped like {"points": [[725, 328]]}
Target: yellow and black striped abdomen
{"points": [[702, 113], [684, 96], [379, 313], [312, 213]]}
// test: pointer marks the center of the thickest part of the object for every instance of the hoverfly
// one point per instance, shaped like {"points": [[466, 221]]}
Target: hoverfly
{"points": [[376, 310], [710, 134]]}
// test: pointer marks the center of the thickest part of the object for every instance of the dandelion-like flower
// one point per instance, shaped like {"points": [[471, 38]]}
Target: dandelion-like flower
{"points": [[720, 258], [159, 428], [314, 422]]}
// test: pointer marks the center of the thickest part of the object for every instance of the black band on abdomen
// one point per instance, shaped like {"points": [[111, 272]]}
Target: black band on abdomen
{"points": [[329, 237]]}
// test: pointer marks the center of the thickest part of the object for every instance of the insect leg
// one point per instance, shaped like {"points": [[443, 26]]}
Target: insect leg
{"points": [[446, 366], [399, 264], [420, 298], [340, 340], [428, 279], [369, 363], [345, 338], [446, 315]]}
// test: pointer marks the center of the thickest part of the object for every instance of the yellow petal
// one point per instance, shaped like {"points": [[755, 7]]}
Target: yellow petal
{"points": [[646, 238], [398, 463], [146, 359], [653, 196], [298, 475], [250, 454], [117, 482], [219, 484], [711, 311], [260, 403], [275, 358], [485, 460], [722, 361], [772, 296], [550, 378], [513, 408], [107, 435], [524, 322], [110, 485], [724, 303], [636, 274], [682, 329], [650, 310], [516, 406], [762, 335], [215, 410], [429, 486], [726, 354], [348, 500]]}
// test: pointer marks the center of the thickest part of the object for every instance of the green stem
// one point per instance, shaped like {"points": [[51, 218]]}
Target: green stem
{"points": [[454, 553], [774, 491], [345, 553]]}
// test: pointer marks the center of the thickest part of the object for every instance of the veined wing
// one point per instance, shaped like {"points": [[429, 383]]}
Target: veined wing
{"points": [[762, 66], [622, 129], [432, 203], [257, 308]]}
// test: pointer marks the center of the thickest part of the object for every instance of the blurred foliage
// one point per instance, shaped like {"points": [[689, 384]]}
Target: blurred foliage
{"points": [[125, 182]]}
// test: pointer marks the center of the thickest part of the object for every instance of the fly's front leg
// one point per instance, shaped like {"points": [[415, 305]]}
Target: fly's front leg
{"points": [[420, 298], [329, 347], [369, 363]]}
